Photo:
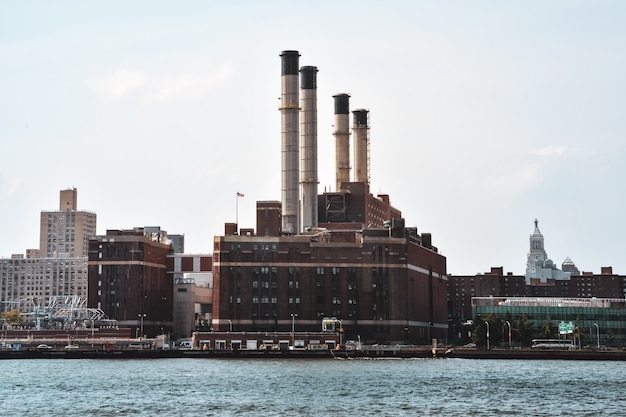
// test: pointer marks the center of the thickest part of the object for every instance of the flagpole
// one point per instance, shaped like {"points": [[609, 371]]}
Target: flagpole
{"points": [[237, 210]]}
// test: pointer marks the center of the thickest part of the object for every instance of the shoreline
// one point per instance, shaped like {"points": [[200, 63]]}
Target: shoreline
{"points": [[374, 353]]}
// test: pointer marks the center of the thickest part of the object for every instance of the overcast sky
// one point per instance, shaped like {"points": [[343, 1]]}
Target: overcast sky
{"points": [[484, 116]]}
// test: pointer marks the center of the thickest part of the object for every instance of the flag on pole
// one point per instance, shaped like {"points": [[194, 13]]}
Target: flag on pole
{"points": [[240, 195]]}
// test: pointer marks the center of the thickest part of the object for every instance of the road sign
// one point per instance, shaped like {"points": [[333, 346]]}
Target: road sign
{"points": [[566, 328]]}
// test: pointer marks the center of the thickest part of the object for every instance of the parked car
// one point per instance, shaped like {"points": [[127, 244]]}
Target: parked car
{"points": [[71, 347], [185, 345], [43, 346]]}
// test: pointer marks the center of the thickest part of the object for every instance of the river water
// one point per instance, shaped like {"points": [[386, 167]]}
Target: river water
{"points": [[319, 387]]}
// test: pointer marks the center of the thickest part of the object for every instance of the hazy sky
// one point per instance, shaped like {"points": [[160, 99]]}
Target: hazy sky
{"points": [[484, 116]]}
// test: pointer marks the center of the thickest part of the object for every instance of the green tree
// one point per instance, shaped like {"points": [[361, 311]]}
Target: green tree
{"points": [[496, 324], [546, 330], [505, 329], [12, 317], [479, 333], [524, 330], [579, 334]]}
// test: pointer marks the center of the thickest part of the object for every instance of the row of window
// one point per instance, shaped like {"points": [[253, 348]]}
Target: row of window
{"points": [[291, 300], [263, 247]]}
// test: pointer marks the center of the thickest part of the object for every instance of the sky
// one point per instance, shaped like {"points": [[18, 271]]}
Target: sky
{"points": [[485, 115]]}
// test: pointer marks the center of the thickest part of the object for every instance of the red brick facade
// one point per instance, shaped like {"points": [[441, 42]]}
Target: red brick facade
{"points": [[382, 288]]}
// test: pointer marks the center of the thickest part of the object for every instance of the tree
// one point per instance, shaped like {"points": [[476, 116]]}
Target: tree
{"points": [[524, 330], [546, 330], [479, 334], [496, 324], [579, 334], [12, 317], [505, 329]]}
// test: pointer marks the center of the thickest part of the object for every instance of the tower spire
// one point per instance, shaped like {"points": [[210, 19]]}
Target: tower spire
{"points": [[537, 251]]}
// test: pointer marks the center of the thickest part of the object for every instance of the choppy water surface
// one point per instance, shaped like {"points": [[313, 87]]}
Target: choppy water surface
{"points": [[213, 387]]}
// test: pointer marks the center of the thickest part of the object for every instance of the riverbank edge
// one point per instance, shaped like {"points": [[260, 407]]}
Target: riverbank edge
{"points": [[524, 354]]}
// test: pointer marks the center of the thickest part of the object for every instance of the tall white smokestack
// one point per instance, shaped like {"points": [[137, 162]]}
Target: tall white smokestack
{"points": [[289, 111], [360, 128], [342, 138], [308, 145]]}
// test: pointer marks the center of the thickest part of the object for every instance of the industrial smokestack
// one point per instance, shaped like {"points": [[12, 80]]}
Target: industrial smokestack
{"points": [[360, 127], [308, 145], [289, 111], [342, 138]]}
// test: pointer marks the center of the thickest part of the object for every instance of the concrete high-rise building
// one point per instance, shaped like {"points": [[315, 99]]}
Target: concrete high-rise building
{"points": [[57, 268], [66, 232]]}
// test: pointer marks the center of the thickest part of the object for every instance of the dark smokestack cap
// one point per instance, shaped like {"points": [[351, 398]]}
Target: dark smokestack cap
{"points": [[342, 103], [360, 117], [308, 78], [290, 62]]}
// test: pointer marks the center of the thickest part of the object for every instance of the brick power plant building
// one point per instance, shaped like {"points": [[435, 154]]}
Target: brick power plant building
{"points": [[344, 254]]}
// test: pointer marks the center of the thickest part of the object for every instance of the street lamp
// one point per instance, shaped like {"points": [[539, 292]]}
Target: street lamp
{"points": [[430, 323], [230, 325], [487, 323], [340, 332], [293, 328], [141, 316], [509, 324], [597, 334]]}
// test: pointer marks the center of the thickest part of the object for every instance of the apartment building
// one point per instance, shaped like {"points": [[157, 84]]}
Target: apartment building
{"points": [[57, 268]]}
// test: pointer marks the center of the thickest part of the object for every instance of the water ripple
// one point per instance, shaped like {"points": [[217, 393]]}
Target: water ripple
{"points": [[209, 387]]}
